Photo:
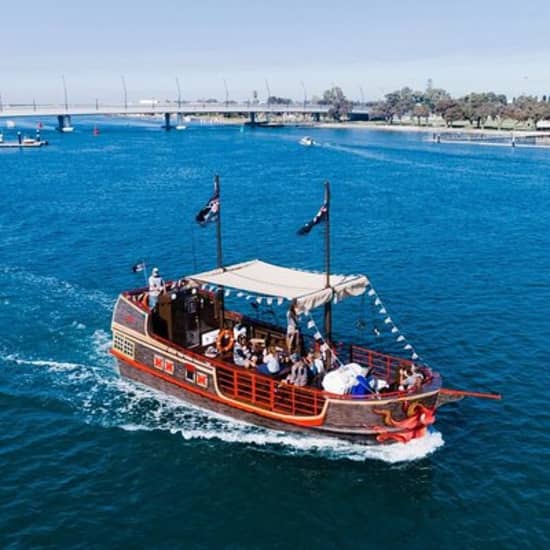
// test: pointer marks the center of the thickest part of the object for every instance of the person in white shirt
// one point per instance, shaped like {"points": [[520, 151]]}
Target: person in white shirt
{"points": [[271, 361], [156, 287], [242, 356]]}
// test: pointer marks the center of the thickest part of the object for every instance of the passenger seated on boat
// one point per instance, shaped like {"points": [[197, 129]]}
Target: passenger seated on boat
{"points": [[270, 363], [239, 330], [362, 386], [314, 363], [242, 356], [413, 380], [257, 348], [298, 374]]}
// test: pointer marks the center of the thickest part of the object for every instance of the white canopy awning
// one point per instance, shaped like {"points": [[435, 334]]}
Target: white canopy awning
{"points": [[263, 279]]}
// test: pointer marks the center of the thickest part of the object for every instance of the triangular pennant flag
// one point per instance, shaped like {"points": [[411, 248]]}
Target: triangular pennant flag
{"points": [[317, 336], [377, 302], [414, 356], [408, 346], [259, 299], [280, 301], [387, 320], [394, 330], [311, 323], [227, 292], [371, 292], [240, 294], [400, 338], [269, 301], [383, 311]]}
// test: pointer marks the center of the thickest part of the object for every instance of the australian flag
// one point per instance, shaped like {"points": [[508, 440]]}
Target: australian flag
{"points": [[210, 212], [318, 218]]}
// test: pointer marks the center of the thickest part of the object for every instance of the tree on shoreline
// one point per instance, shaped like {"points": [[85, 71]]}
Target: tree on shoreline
{"points": [[340, 107], [474, 108]]}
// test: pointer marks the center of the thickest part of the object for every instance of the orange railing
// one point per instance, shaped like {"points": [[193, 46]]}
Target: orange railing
{"points": [[385, 366], [268, 393]]}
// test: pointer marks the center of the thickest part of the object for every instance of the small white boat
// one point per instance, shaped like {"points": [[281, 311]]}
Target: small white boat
{"points": [[181, 126], [306, 141], [67, 129]]}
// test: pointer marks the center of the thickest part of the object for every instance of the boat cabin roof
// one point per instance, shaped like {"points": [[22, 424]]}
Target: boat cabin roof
{"points": [[306, 287]]}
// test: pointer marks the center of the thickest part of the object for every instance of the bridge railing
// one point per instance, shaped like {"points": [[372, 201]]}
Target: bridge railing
{"points": [[24, 109]]}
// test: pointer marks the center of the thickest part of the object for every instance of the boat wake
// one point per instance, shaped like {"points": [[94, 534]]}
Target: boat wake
{"points": [[192, 423], [95, 390]]}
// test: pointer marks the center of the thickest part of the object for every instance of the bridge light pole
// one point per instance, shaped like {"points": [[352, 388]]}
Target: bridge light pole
{"points": [[65, 93], [305, 93], [268, 93], [179, 92], [1, 104], [125, 92], [362, 96], [226, 93]]}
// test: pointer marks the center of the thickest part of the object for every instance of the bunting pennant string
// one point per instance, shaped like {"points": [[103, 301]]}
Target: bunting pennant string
{"points": [[318, 336], [399, 338]]}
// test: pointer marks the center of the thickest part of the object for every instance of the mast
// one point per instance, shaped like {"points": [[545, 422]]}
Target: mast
{"points": [[328, 305], [220, 292], [218, 222]]}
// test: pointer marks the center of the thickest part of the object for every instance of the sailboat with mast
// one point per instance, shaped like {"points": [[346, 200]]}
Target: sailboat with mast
{"points": [[185, 346]]}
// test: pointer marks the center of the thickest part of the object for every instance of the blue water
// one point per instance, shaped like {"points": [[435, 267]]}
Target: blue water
{"points": [[455, 239]]}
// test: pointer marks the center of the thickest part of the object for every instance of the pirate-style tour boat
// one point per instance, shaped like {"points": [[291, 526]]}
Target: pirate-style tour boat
{"points": [[184, 342]]}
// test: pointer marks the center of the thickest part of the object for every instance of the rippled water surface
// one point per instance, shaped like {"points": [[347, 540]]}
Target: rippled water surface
{"points": [[455, 239]]}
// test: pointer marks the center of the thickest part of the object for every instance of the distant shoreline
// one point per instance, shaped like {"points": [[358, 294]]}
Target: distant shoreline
{"points": [[424, 129]]}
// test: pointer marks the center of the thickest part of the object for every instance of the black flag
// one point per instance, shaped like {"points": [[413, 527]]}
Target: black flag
{"points": [[318, 218], [209, 213]]}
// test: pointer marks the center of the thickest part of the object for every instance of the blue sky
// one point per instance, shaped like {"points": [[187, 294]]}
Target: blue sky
{"points": [[374, 45]]}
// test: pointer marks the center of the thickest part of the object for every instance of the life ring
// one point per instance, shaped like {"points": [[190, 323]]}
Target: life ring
{"points": [[225, 340]]}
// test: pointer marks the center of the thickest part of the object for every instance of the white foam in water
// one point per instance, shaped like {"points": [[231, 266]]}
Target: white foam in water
{"points": [[58, 288], [106, 399], [52, 365], [193, 423]]}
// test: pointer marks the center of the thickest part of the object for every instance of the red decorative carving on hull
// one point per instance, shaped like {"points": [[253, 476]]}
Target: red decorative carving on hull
{"points": [[415, 425]]}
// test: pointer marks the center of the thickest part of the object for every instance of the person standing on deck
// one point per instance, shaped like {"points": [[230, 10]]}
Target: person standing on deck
{"points": [[292, 332], [156, 287]]}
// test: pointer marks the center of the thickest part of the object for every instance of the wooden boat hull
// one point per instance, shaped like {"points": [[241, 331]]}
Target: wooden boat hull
{"points": [[260, 400]]}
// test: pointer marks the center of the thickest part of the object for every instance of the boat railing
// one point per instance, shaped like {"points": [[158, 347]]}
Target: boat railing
{"points": [[383, 365], [269, 393]]}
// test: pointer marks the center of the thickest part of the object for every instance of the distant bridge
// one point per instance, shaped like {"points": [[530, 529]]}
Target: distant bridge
{"points": [[179, 110]]}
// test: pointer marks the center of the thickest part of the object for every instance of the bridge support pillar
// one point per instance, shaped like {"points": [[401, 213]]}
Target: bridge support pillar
{"points": [[317, 117], [64, 123], [167, 125], [252, 118]]}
